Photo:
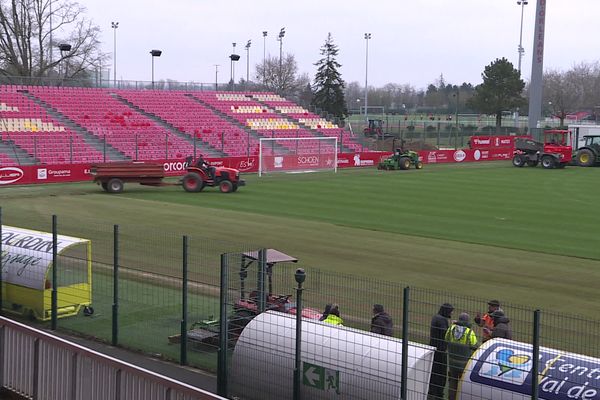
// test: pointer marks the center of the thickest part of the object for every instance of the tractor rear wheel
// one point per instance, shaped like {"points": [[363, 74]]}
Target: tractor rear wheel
{"points": [[585, 158], [192, 183], [518, 160], [404, 163], [419, 165], [226, 186], [114, 185], [548, 162], [532, 163]]}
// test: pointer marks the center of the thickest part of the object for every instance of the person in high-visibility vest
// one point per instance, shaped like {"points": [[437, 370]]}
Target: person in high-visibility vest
{"points": [[334, 316], [487, 321], [462, 341]]}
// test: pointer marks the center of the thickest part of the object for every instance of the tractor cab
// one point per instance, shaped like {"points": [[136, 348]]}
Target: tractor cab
{"points": [[556, 142], [589, 154], [262, 297], [375, 127]]}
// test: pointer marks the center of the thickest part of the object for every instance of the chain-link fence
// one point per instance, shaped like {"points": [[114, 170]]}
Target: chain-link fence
{"points": [[356, 361], [232, 309]]}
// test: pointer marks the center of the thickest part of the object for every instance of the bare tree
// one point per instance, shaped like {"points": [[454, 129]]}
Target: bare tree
{"points": [[279, 77], [25, 44], [561, 94]]}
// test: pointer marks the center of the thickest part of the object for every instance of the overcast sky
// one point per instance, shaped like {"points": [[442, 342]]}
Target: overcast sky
{"points": [[412, 41]]}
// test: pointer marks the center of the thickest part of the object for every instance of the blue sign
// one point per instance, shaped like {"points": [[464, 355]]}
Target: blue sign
{"points": [[562, 376]]}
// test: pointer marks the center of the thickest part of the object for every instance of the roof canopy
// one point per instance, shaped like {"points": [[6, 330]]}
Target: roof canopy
{"points": [[273, 256]]}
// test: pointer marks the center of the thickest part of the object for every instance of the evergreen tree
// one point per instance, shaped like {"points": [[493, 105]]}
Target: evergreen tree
{"points": [[328, 84], [500, 91]]}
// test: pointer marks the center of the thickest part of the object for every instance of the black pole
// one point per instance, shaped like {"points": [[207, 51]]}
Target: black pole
{"points": [[536, 355], [1, 269], [166, 146], [194, 145], [404, 366], [115, 305], [184, 304], [300, 277], [223, 328], [54, 298], [262, 266]]}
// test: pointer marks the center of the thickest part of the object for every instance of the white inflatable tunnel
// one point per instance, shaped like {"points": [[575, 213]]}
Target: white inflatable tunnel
{"points": [[337, 362], [501, 370]]}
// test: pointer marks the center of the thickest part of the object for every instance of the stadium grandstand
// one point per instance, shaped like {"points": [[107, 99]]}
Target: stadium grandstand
{"points": [[56, 125]]}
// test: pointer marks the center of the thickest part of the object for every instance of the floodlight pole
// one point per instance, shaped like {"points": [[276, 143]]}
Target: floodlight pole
{"points": [[280, 39], [521, 51], [217, 77], [248, 62], [232, 68], [154, 53], [264, 57], [367, 37], [114, 25]]}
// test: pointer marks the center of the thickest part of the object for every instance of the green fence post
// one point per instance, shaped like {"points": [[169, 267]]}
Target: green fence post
{"points": [[1, 269], [54, 298], [536, 355], [262, 264], [223, 330], [404, 366], [184, 305], [115, 305]]}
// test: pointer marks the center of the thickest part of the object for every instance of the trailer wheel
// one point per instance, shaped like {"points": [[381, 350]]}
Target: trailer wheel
{"points": [[518, 160], [419, 165], [114, 185], [192, 183], [104, 186], [88, 311], [548, 162], [404, 163], [532, 163], [226, 186], [585, 158]]}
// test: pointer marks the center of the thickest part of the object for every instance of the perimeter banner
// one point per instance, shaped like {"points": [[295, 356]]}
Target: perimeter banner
{"points": [[62, 173]]}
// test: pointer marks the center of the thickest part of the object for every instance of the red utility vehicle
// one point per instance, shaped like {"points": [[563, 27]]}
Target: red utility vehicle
{"points": [[199, 176], [113, 176], [553, 153]]}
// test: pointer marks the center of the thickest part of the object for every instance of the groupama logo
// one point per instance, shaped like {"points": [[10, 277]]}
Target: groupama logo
{"points": [[10, 175]]}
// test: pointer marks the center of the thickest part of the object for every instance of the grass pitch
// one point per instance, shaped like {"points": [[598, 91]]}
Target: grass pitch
{"points": [[528, 235]]}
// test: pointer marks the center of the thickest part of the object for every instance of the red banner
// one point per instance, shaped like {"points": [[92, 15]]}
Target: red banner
{"points": [[486, 142], [39, 174], [466, 155], [30, 174]]}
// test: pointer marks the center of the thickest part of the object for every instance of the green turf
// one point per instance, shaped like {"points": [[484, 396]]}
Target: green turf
{"points": [[528, 236]]}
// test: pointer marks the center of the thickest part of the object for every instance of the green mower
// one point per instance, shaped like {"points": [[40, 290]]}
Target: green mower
{"points": [[401, 159]]}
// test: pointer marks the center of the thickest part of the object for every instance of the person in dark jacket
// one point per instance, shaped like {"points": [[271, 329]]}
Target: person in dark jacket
{"points": [[437, 333], [381, 322], [326, 312], [502, 327]]}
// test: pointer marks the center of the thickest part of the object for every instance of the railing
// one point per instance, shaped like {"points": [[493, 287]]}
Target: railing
{"points": [[41, 366]]}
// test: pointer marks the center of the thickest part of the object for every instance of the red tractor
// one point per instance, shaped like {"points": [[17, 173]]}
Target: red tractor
{"points": [[553, 153], [201, 174]]}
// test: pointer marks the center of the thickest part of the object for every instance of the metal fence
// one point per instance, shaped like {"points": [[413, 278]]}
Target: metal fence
{"points": [[200, 302]]}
